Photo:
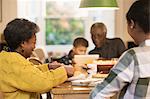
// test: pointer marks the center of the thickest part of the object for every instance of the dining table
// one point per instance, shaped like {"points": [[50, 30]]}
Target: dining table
{"points": [[69, 91]]}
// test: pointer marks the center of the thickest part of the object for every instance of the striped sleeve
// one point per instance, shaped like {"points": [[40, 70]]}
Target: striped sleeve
{"points": [[120, 75]]}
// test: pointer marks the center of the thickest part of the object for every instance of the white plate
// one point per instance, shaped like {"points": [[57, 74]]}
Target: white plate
{"points": [[81, 82], [86, 82]]}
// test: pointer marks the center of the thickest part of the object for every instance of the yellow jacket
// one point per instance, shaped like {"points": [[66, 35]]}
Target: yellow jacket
{"points": [[20, 79]]}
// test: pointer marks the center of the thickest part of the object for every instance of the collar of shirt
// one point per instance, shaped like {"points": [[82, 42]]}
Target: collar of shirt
{"points": [[145, 43], [71, 55]]}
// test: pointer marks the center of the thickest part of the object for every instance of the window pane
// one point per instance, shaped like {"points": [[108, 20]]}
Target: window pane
{"points": [[63, 31], [64, 21]]}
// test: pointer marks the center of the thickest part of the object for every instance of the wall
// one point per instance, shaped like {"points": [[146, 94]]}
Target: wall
{"points": [[120, 19], [9, 12]]}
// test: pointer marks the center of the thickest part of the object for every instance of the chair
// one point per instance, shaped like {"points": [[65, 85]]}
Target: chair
{"points": [[35, 60], [40, 54]]}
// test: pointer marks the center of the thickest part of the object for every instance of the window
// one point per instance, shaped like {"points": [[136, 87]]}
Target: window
{"points": [[61, 21], [63, 31], [64, 22]]}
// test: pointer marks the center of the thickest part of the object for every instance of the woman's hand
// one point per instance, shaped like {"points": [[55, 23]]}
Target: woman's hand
{"points": [[54, 65], [69, 70]]}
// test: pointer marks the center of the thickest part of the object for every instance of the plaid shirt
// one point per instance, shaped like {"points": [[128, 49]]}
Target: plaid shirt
{"points": [[130, 76]]}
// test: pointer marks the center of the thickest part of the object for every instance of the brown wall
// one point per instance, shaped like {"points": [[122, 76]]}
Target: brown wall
{"points": [[9, 12], [120, 20]]}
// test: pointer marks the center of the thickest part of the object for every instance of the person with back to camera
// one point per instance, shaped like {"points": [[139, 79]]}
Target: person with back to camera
{"points": [[106, 48], [19, 78], [131, 75]]}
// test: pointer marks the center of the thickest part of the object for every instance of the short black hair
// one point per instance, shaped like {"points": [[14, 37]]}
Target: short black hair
{"points": [[19, 30], [139, 12], [80, 41]]}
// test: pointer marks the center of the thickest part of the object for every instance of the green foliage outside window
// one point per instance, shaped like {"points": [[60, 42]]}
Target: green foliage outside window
{"points": [[63, 31]]}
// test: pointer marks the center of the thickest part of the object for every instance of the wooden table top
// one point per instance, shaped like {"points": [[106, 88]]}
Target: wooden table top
{"points": [[67, 89]]}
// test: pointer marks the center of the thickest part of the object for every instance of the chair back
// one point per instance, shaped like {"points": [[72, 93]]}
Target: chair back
{"points": [[39, 53], [35, 60]]}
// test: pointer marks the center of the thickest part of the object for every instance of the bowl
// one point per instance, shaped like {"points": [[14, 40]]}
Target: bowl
{"points": [[104, 69], [104, 65]]}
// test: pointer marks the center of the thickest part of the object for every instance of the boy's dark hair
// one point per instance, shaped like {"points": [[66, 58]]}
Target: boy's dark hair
{"points": [[19, 30], [80, 42], [139, 12]]}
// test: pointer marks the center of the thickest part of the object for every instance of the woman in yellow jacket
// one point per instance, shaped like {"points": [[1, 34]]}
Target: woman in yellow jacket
{"points": [[19, 78]]}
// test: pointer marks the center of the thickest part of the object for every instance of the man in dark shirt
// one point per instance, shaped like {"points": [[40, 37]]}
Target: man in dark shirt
{"points": [[106, 48]]}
